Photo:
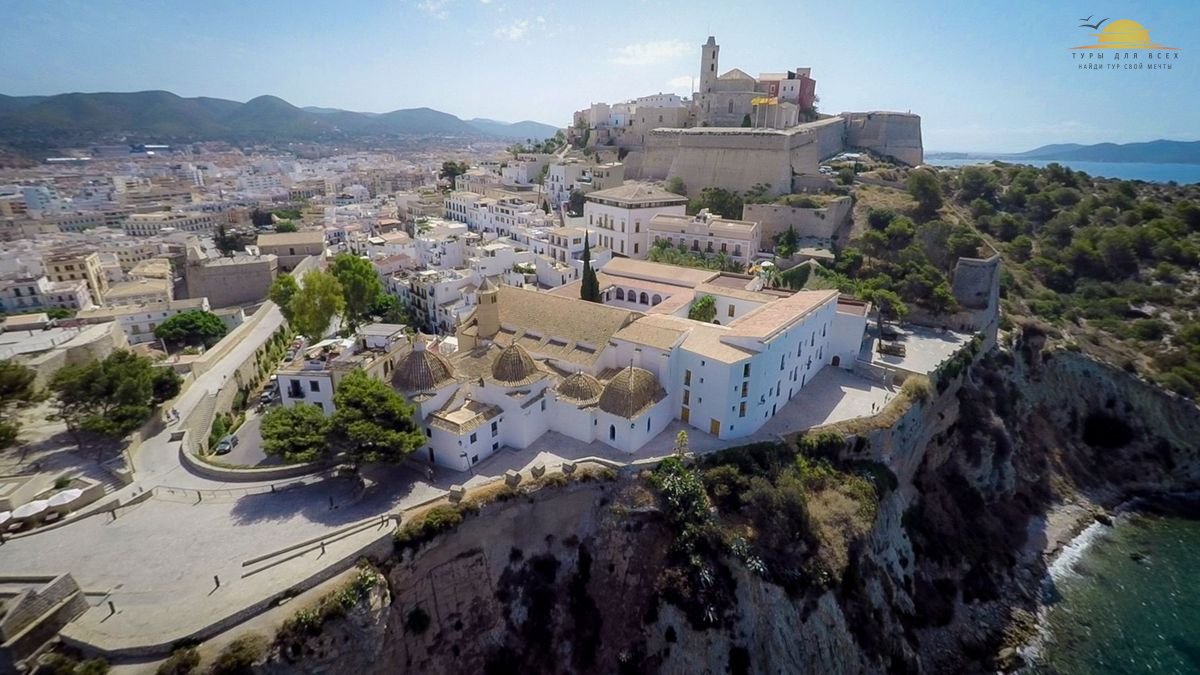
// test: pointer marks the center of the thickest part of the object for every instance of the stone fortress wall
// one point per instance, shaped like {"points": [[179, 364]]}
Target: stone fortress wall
{"points": [[820, 223], [889, 134], [737, 158]]}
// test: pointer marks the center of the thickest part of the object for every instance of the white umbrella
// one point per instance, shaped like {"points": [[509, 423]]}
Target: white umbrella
{"points": [[26, 511], [65, 497], [5, 516]]}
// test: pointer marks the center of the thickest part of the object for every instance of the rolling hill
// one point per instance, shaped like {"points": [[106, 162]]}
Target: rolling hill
{"points": [[516, 130], [1154, 152], [161, 116]]}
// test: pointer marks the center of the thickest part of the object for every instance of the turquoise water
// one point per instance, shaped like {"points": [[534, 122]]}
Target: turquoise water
{"points": [[1130, 603], [1155, 173]]}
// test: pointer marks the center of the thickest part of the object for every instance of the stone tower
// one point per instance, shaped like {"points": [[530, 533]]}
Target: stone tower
{"points": [[709, 54], [487, 314]]}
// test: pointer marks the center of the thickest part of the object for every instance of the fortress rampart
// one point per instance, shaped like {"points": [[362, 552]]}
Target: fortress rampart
{"points": [[736, 158], [890, 134]]}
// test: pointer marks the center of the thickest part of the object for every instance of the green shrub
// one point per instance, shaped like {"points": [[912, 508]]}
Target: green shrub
{"points": [[182, 662], [437, 520]]}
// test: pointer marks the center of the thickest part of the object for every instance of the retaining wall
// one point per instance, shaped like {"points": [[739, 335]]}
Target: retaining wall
{"points": [[821, 223]]}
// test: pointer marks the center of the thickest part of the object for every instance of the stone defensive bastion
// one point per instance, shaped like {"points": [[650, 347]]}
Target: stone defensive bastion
{"points": [[740, 158]]}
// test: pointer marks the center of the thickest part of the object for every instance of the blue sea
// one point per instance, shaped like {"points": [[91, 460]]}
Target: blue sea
{"points": [[1155, 173], [1127, 603]]}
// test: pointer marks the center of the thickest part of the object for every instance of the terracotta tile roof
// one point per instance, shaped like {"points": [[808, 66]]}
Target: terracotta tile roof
{"points": [[660, 332], [514, 367], [630, 392], [636, 194], [664, 274], [422, 370], [560, 327], [705, 340], [291, 238], [580, 387], [768, 320]]}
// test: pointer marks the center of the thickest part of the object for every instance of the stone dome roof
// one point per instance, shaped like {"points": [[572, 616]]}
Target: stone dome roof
{"points": [[630, 392], [422, 370], [514, 366], [580, 387]]}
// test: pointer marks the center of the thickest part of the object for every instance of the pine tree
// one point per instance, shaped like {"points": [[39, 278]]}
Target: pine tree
{"points": [[589, 289]]}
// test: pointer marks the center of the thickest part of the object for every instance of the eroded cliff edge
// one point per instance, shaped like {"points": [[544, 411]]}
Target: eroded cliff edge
{"points": [[989, 475]]}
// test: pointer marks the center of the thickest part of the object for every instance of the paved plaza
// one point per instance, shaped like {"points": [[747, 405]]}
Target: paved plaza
{"points": [[925, 348]]}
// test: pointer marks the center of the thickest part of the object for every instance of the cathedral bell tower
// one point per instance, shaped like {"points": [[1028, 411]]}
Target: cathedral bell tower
{"points": [[487, 314], [709, 55]]}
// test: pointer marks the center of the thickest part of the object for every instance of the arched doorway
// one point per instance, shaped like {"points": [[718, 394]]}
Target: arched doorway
{"points": [[620, 294], [837, 361]]}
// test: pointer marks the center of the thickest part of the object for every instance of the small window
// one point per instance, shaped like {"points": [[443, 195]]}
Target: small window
{"points": [[742, 409], [745, 389], [687, 378], [313, 385], [474, 437], [731, 310], [687, 397], [746, 370], [429, 432]]}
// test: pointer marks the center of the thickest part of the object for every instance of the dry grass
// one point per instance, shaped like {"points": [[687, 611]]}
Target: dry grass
{"points": [[838, 521], [873, 197]]}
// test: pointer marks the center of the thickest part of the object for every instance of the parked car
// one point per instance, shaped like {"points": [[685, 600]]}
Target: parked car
{"points": [[226, 445], [267, 397]]}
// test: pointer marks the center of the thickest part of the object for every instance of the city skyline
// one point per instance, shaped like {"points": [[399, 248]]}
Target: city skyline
{"points": [[513, 62]]}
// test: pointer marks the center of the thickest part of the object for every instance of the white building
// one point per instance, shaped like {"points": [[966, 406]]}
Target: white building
{"points": [[20, 295], [312, 377], [532, 362], [620, 216], [147, 224], [708, 235], [139, 321], [563, 178]]}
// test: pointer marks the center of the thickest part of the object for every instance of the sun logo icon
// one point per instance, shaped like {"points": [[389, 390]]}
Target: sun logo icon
{"points": [[1120, 34]]}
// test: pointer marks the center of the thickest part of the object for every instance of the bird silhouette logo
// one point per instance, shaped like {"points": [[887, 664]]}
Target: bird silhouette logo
{"points": [[1083, 23], [1119, 34]]}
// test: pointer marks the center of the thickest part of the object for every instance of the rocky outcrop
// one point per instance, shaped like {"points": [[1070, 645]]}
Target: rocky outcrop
{"points": [[566, 580]]}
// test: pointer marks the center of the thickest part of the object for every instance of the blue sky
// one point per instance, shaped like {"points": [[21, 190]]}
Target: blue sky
{"points": [[984, 75]]}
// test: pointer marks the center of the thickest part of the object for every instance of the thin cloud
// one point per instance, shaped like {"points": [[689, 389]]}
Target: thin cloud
{"points": [[681, 82], [438, 9], [513, 31], [649, 53]]}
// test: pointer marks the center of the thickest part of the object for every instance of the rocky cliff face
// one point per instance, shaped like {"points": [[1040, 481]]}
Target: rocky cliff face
{"points": [[568, 580]]}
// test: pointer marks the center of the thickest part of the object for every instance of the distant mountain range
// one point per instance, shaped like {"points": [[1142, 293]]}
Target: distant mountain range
{"points": [[160, 116], [1150, 152]]}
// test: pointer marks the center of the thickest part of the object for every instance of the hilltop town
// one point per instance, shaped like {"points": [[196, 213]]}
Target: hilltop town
{"points": [[338, 340]]}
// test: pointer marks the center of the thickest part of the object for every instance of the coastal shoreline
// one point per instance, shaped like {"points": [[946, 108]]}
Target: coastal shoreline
{"points": [[1072, 528]]}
